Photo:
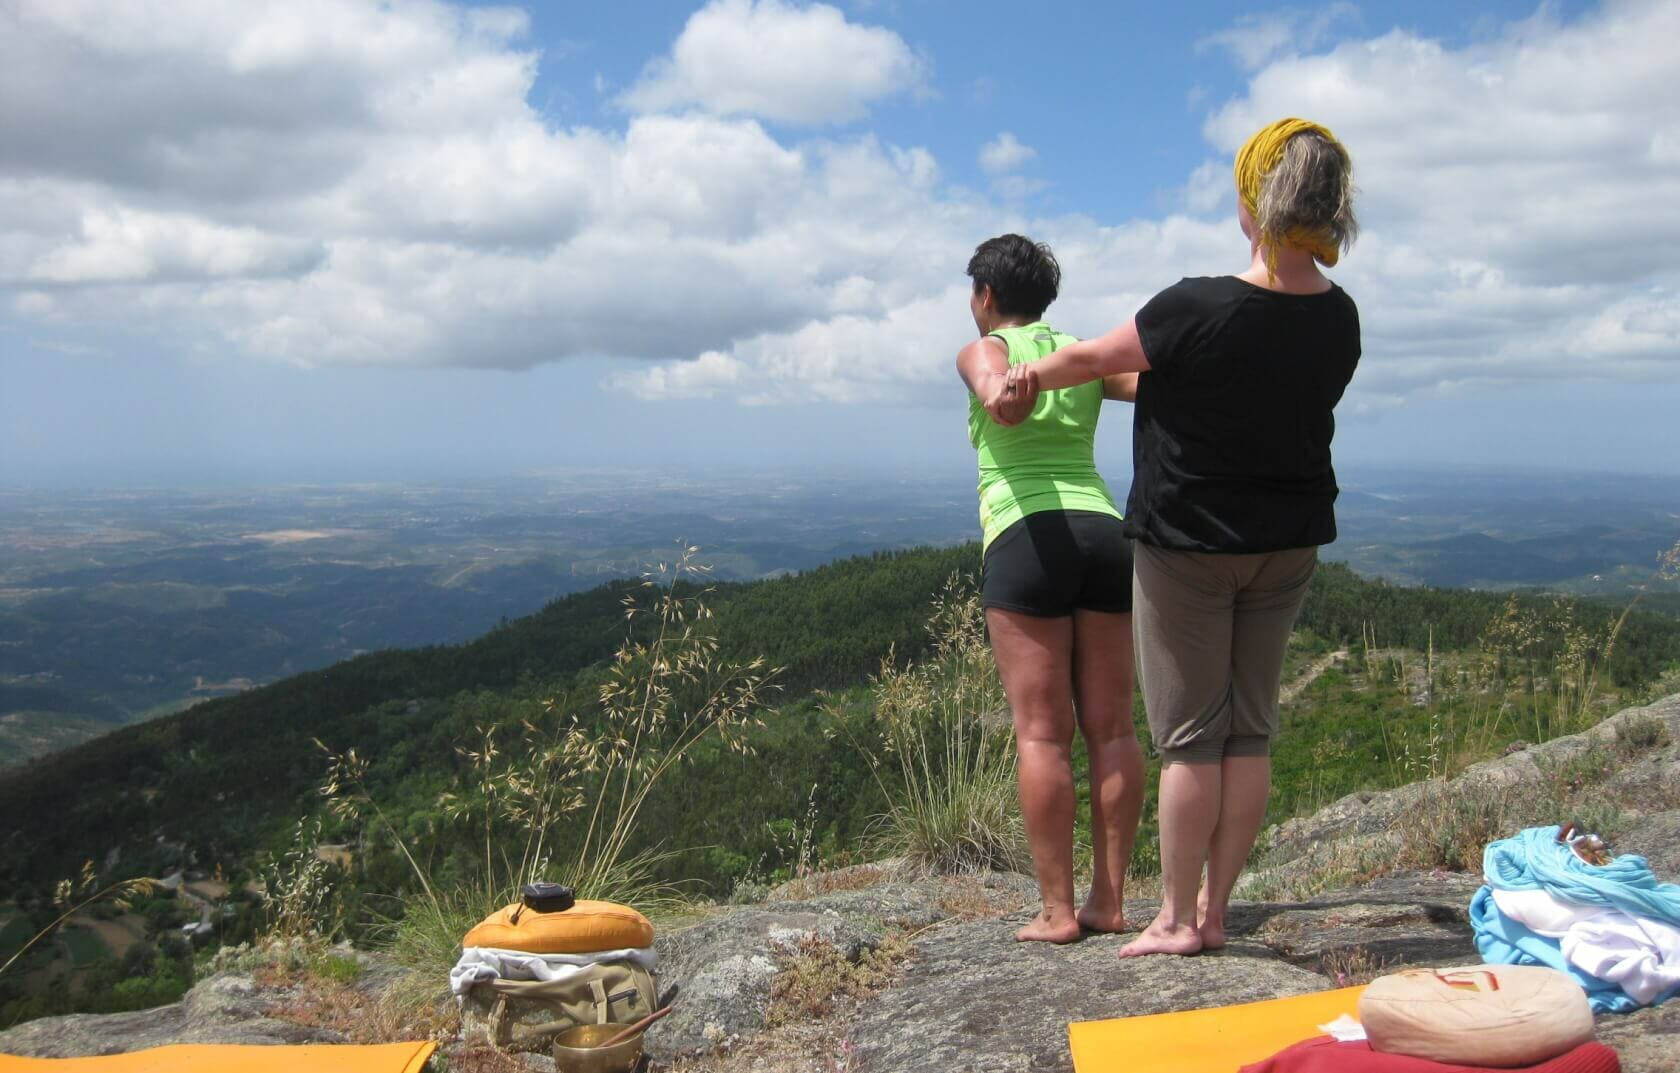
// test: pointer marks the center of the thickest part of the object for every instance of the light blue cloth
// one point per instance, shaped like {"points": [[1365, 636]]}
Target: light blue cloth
{"points": [[1535, 860], [1503, 941]]}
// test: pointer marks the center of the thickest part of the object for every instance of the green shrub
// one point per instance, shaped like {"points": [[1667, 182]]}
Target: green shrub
{"points": [[949, 751]]}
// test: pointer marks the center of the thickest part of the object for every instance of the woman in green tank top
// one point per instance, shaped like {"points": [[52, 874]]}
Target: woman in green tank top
{"points": [[1056, 584]]}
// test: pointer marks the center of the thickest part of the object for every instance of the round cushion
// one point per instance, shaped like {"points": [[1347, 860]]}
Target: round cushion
{"points": [[1478, 1015], [586, 928]]}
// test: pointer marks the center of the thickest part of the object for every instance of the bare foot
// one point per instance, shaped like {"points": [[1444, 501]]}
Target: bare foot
{"points": [[1047, 927], [1160, 938], [1213, 931], [1099, 916], [1213, 934]]}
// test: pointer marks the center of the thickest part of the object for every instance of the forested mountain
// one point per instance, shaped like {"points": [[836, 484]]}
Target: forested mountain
{"points": [[229, 778], [219, 780]]}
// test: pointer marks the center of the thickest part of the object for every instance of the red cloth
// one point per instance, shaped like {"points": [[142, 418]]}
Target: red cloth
{"points": [[1324, 1055]]}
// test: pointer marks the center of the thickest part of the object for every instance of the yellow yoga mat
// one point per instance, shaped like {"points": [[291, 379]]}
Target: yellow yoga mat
{"points": [[232, 1058], [1219, 1040]]}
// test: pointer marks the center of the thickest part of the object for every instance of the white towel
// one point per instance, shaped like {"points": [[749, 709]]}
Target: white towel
{"points": [[481, 963], [1638, 954]]}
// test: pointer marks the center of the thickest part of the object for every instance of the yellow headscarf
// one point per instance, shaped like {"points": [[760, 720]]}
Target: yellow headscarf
{"points": [[1256, 159]]}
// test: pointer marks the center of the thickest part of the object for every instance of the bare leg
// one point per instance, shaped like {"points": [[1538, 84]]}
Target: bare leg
{"points": [[1102, 684], [1034, 658], [1263, 613], [1247, 782], [1190, 798]]}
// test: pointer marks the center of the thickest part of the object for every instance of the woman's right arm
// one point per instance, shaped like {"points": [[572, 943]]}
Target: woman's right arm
{"points": [[983, 366], [1120, 351], [1121, 387]]}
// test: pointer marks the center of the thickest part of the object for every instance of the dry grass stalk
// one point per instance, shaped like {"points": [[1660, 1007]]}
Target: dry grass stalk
{"points": [[1351, 966], [71, 896]]}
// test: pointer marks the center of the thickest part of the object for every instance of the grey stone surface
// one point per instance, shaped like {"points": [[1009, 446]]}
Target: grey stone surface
{"points": [[1643, 780], [1392, 923], [1657, 837], [971, 998], [228, 1008], [1648, 1040], [722, 969]]}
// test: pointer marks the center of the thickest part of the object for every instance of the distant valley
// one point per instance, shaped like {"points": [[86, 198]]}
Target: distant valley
{"points": [[118, 606], [1585, 534]]}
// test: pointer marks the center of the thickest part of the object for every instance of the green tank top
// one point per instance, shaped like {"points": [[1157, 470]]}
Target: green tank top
{"points": [[1045, 462]]}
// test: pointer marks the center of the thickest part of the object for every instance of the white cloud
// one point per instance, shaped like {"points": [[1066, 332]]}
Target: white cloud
{"points": [[702, 377], [1518, 220], [1005, 153], [779, 61], [1001, 158], [385, 194], [1257, 39], [368, 183], [123, 245]]}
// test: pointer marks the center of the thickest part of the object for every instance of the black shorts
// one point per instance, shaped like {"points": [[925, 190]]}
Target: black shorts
{"points": [[1055, 561]]}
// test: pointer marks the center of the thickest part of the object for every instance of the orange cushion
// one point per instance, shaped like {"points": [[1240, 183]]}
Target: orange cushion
{"points": [[585, 928]]}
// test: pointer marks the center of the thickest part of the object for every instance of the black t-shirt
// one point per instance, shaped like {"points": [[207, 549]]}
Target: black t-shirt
{"points": [[1231, 437]]}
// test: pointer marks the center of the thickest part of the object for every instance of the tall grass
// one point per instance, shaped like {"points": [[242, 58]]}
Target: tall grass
{"points": [[946, 753], [563, 800], [301, 900]]}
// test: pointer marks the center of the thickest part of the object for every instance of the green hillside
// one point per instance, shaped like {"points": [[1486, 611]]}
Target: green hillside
{"points": [[1384, 685], [220, 780], [227, 779]]}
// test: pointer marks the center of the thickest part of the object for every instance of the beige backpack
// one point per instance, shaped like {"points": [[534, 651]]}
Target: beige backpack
{"points": [[527, 1014]]}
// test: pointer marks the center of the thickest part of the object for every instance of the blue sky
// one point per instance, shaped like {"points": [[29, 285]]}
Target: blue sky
{"points": [[346, 241]]}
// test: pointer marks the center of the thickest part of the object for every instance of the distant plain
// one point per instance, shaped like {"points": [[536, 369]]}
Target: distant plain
{"points": [[123, 604]]}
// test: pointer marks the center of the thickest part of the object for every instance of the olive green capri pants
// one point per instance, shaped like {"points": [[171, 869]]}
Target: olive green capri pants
{"points": [[1211, 630]]}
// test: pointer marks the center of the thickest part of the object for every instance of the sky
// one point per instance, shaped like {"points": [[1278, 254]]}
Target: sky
{"points": [[322, 241]]}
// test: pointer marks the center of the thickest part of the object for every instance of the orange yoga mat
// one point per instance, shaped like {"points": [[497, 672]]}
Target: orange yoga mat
{"points": [[1218, 1040], [239, 1058]]}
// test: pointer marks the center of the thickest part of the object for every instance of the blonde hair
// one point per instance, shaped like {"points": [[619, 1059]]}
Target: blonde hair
{"points": [[1296, 180]]}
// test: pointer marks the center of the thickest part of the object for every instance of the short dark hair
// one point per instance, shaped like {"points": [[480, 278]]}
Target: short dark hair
{"points": [[1023, 274]]}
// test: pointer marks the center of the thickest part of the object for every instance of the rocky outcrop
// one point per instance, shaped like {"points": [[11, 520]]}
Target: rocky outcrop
{"points": [[230, 1008], [1640, 743], [963, 996], [723, 968], [1630, 762]]}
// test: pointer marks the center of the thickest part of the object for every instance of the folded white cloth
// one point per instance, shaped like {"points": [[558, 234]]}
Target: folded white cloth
{"points": [[1344, 1029], [1638, 954], [481, 963]]}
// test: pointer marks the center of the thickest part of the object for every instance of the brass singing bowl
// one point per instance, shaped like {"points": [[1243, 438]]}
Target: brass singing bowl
{"points": [[579, 1050]]}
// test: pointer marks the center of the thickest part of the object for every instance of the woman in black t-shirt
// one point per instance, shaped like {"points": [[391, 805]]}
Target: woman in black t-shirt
{"points": [[1232, 493]]}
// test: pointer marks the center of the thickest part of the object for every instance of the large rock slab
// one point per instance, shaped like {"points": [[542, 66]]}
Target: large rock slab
{"points": [[1658, 838], [228, 1008], [1400, 921], [1641, 747], [723, 969], [1648, 1040], [971, 998]]}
